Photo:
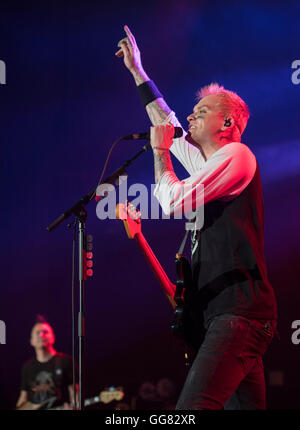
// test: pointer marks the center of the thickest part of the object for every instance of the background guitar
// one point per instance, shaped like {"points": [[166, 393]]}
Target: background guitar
{"points": [[106, 396]]}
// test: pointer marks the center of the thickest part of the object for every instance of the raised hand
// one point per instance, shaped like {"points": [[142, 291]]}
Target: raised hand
{"points": [[130, 51], [157, 110]]}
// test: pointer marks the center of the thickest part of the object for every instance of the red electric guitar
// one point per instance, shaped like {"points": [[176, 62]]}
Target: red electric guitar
{"points": [[184, 327]]}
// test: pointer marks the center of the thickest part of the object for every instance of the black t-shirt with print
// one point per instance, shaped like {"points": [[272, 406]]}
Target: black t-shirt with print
{"points": [[48, 380]]}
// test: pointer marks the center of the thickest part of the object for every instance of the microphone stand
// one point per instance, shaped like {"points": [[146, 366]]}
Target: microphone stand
{"points": [[80, 212]]}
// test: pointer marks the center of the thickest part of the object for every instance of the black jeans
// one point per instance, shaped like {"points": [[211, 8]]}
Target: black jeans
{"points": [[228, 370]]}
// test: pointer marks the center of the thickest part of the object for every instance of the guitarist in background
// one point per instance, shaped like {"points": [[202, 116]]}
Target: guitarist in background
{"points": [[47, 380], [228, 263]]}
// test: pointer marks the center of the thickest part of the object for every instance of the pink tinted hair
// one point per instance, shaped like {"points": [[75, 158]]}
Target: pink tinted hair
{"points": [[231, 104]]}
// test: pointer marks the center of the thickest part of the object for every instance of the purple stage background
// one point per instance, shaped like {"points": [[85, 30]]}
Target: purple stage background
{"points": [[67, 98]]}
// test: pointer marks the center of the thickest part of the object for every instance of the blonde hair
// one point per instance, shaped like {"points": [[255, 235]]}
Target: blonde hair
{"points": [[231, 104]]}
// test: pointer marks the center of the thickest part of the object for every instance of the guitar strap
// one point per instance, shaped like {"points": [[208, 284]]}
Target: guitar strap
{"points": [[182, 246], [179, 284], [58, 371]]}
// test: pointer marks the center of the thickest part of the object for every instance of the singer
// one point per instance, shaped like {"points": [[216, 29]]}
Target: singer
{"points": [[228, 263]]}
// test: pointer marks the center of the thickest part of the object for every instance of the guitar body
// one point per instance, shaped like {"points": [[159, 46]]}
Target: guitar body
{"points": [[188, 315], [106, 396], [29, 406]]}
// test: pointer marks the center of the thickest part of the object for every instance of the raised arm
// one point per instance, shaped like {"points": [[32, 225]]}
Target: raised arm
{"points": [[158, 110], [156, 107]]}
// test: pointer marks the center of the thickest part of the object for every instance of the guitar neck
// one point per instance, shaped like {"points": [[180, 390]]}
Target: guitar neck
{"points": [[166, 284]]}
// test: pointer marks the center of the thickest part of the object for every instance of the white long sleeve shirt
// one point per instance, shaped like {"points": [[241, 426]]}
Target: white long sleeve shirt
{"points": [[223, 176]]}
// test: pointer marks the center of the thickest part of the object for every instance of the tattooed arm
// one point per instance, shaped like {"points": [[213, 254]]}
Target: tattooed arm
{"points": [[162, 163], [158, 110], [161, 140]]}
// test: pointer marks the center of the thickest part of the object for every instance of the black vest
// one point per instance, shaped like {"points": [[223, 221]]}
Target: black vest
{"points": [[229, 267]]}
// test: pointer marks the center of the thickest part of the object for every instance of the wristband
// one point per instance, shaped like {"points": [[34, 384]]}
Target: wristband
{"points": [[148, 92]]}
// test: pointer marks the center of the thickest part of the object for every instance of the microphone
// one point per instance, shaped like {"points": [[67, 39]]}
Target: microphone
{"points": [[143, 136]]}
